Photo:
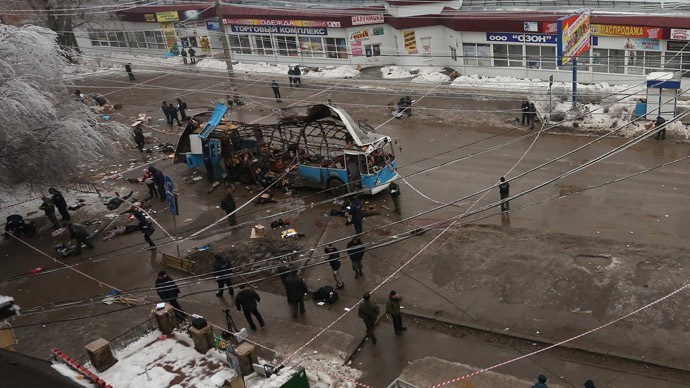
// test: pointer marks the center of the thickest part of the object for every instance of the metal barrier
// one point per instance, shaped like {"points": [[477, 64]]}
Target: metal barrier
{"points": [[399, 383], [128, 337], [87, 188]]}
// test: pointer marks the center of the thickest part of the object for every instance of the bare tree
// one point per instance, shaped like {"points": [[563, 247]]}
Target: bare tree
{"points": [[45, 135]]}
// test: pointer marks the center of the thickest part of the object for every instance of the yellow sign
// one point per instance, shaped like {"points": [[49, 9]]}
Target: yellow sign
{"points": [[149, 17], [170, 16], [170, 39], [410, 39], [204, 43]]}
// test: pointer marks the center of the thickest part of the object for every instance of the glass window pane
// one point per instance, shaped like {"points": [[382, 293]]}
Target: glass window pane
{"points": [[484, 55], [470, 53], [600, 61], [533, 57], [616, 61], [548, 57], [652, 62]]}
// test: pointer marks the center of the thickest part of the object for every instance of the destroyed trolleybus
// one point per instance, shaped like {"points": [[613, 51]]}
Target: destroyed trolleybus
{"points": [[329, 149]]}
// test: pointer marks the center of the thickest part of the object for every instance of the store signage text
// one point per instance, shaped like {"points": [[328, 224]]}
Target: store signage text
{"points": [[680, 34], [170, 16], [521, 38], [368, 19], [285, 23], [626, 31], [279, 30], [359, 35]]}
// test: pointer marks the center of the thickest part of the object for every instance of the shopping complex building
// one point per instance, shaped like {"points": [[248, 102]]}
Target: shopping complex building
{"points": [[629, 39]]}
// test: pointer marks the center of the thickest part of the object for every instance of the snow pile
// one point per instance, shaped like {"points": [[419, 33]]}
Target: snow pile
{"points": [[261, 67], [208, 63], [334, 72], [395, 72], [152, 362], [71, 374], [433, 76], [8, 302]]}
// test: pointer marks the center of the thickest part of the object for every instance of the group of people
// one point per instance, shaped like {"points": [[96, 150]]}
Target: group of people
{"points": [[404, 105], [155, 181], [170, 111], [295, 76], [369, 313], [55, 201], [191, 54], [541, 383], [529, 113]]}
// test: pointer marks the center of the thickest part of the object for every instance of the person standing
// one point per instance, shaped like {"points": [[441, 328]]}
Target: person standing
{"points": [[164, 108], [401, 108], [369, 312], [159, 181], [79, 233], [182, 107], [660, 121], [291, 74], [276, 90], [408, 105], [228, 204], [144, 224], [295, 288], [60, 204], [532, 114], [504, 190], [168, 292], [139, 137], [49, 208], [589, 384], [333, 260], [173, 115], [356, 249], [298, 76], [393, 309], [128, 69], [184, 56], [357, 214], [246, 301], [222, 270], [148, 180], [192, 56], [525, 112], [541, 382], [394, 190]]}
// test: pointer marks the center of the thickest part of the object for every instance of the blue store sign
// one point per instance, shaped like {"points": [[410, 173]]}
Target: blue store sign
{"points": [[506, 37]]}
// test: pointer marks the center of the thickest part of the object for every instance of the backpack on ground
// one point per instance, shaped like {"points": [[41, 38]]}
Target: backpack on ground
{"points": [[326, 294]]}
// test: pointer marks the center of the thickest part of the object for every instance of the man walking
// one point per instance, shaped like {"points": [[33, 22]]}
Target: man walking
{"points": [[168, 291], [192, 56], [173, 115], [394, 190], [246, 301], [276, 91], [60, 204], [357, 214], [541, 382], [504, 190], [49, 208], [525, 112], [128, 69], [355, 249], [295, 287], [222, 269], [159, 181], [182, 107], [139, 137], [369, 311], [79, 233], [228, 204], [532, 114], [393, 309], [164, 108], [333, 260], [144, 224]]}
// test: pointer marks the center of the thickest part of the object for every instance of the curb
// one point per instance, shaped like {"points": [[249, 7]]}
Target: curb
{"points": [[527, 337]]}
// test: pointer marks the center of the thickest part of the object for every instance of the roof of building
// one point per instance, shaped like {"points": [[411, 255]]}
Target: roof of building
{"points": [[26, 371]]}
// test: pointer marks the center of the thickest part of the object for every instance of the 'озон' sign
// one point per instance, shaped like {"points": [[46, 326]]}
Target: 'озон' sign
{"points": [[520, 38]]}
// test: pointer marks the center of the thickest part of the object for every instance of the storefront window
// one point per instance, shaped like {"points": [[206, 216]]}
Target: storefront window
{"points": [[426, 47], [548, 57], [477, 54], [600, 61], [652, 62], [336, 48], [515, 55], [263, 44], [501, 55], [311, 47], [189, 41], [240, 44], [287, 45], [453, 54], [616, 61], [372, 50]]}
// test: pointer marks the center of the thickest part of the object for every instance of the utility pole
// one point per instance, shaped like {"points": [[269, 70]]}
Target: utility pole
{"points": [[226, 54]]}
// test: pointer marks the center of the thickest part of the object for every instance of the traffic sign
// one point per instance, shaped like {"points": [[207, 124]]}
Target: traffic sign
{"points": [[169, 184], [172, 201]]}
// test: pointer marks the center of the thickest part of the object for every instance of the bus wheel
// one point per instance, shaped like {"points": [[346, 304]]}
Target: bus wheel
{"points": [[337, 187]]}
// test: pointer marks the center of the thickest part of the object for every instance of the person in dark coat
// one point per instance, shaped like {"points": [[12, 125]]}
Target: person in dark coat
{"points": [[173, 115], [355, 249], [357, 214], [401, 108], [589, 384], [394, 190], [79, 233], [291, 74], [49, 208], [525, 112], [504, 190], [164, 108], [182, 107], [276, 90], [295, 288], [532, 114], [222, 270], [246, 301], [139, 137], [192, 55], [393, 309], [333, 260], [184, 56], [168, 292], [297, 76], [408, 105], [541, 382], [661, 135], [159, 181], [144, 224], [60, 204], [369, 311], [228, 204], [128, 69]]}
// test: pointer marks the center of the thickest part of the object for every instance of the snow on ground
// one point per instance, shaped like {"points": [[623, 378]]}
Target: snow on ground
{"points": [[154, 362], [262, 67], [334, 72], [395, 72], [68, 372]]}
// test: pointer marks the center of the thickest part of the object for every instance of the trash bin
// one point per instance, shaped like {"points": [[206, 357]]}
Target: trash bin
{"points": [[641, 108]]}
